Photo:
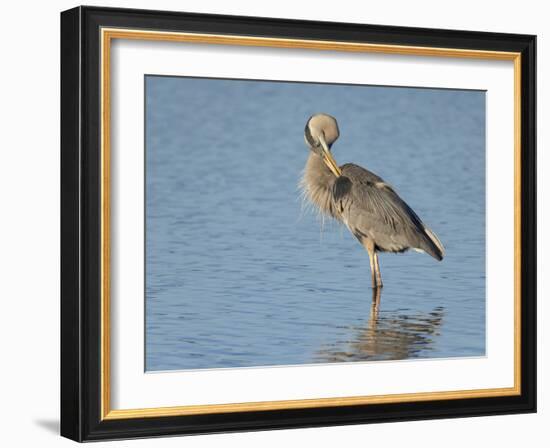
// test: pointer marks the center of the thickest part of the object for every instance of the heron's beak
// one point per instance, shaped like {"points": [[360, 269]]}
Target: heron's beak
{"points": [[328, 159]]}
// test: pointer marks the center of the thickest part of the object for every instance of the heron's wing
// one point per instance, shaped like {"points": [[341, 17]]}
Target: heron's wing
{"points": [[371, 208]]}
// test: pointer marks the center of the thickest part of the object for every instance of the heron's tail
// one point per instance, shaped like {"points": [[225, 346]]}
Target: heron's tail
{"points": [[433, 246]]}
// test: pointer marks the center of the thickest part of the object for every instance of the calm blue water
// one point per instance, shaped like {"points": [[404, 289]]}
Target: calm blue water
{"points": [[237, 274]]}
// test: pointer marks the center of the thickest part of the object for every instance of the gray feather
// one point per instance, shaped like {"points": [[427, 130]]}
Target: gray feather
{"points": [[371, 207]]}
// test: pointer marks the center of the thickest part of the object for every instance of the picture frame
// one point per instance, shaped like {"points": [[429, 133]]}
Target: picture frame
{"points": [[86, 211]]}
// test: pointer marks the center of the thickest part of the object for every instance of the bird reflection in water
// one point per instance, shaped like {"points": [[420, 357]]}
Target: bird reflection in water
{"points": [[387, 336]]}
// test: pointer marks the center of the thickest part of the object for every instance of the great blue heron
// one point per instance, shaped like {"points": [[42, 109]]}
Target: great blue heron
{"points": [[369, 207]]}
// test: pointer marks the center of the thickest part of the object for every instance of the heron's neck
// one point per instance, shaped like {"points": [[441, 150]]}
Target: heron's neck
{"points": [[317, 182], [317, 170]]}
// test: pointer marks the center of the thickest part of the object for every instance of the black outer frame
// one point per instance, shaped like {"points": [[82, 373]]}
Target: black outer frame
{"points": [[80, 224]]}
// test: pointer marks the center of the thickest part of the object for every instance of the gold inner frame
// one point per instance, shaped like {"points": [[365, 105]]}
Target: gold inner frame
{"points": [[107, 35]]}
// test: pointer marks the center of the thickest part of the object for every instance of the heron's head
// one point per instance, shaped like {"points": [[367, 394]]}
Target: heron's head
{"points": [[320, 133]]}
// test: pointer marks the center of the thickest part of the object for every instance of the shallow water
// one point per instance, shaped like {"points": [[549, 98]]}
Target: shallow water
{"points": [[238, 274]]}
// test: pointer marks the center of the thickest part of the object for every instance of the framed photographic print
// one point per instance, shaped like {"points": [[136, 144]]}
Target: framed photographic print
{"points": [[273, 223]]}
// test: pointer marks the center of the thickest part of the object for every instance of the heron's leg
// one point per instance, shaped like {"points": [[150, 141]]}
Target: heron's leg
{"points": [[372, 269], [370, 250], [378, 275]]}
